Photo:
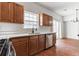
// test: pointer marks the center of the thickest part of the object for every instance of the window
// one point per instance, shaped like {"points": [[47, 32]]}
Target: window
{"points": [[31, 20]]}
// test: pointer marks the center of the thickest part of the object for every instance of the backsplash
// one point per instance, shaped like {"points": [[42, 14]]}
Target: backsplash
{"points": [[13, 28], [10, 27]]}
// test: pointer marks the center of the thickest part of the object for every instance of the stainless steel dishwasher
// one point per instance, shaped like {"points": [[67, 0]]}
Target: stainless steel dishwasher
{"points": [[49, 40]]}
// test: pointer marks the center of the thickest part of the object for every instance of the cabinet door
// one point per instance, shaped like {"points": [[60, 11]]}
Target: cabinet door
{"points": [[41, 42], [50, 20], [21, 46], [5, 12], [45, 20], [11, 12], [18, 13], [33, 45]]}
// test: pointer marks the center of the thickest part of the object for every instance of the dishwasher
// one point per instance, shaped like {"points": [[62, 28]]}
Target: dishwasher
{"points": [[49, 40], [6, 48]]}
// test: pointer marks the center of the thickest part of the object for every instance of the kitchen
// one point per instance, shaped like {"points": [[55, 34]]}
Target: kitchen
{"points": [[39, 29], [24, 30]]}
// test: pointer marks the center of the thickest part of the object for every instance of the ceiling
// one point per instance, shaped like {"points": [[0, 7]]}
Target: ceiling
{"points": [[61, 8]]}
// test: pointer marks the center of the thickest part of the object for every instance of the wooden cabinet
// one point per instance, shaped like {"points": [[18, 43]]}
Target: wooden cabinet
{"points": [[11, 12], [50, 20], [33, 45], [21, 45], [18, 13], [5, 12], [36, 44], [30, 45], [41, 43], [45, 20]]}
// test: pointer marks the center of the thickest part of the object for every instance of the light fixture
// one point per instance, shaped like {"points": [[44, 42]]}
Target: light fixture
{"points": [[76, 18], [65, 9]]}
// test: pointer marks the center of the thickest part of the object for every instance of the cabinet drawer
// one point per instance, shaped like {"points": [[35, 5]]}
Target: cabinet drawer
{"points": [[34, 37], [42, 36]]}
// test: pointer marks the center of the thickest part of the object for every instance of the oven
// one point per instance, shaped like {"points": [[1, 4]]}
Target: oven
{"points": [[6, 48]]}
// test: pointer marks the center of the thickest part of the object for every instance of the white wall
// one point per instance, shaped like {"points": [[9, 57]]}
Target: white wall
{"points": [[57, 28], [69, 17], [10, 27], [64, 29], [71, 30]]}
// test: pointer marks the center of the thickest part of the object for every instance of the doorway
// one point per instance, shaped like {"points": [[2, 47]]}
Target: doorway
{"points": [[57, 28]]}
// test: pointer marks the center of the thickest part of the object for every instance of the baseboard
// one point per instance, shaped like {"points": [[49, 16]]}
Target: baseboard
{"points": [[50, 47], [64, 38], [69, 38]]}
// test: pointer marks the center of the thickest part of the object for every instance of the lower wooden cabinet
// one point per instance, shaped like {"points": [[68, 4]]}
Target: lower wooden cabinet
{"points": [[30, 45], [33, 45], [41, 43], [21, 45]]}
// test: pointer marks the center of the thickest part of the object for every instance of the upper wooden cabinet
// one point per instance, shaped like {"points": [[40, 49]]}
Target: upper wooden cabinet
{"points": [[5, 12], [18, 13], [45, 20], [11, 12]]}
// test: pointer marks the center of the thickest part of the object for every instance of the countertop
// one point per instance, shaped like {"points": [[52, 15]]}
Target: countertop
{"points": [[7, 36]]}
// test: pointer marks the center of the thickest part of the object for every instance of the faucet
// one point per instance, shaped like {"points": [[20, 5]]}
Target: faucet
{"points": [[33, 30]]}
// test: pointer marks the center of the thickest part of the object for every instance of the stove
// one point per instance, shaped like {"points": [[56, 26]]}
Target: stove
{"points": [[6, 48]]}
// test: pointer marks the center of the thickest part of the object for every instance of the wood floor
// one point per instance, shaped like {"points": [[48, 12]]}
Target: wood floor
{"points": [[64, 47]]}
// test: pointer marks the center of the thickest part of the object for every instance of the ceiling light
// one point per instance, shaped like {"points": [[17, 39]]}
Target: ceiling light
{"points": [[65, 9], [76, 18]]}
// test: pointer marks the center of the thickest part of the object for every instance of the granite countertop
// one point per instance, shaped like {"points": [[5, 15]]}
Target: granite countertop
{"points": [[7, 36]]}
